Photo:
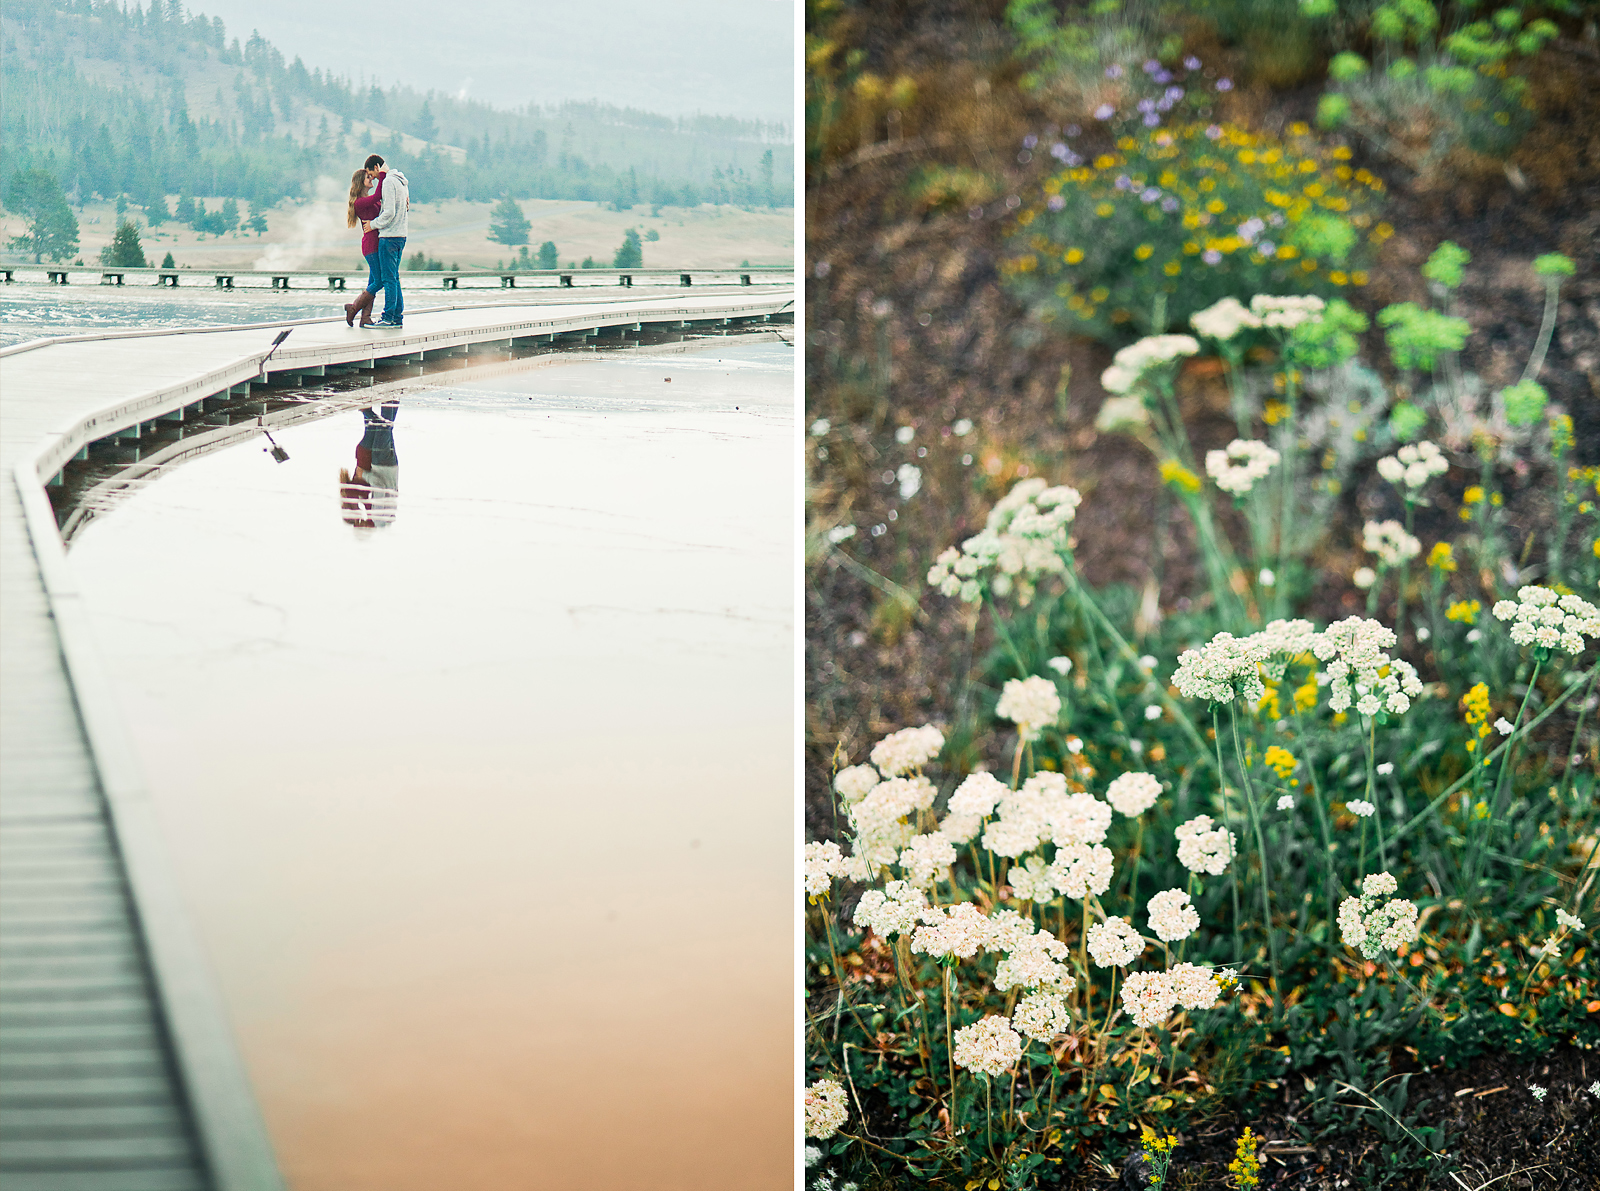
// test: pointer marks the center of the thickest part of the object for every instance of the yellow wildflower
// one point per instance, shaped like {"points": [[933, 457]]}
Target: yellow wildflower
{"points": [[1172, 268], [1099, 293], [1246, 1166], [1143, 252], [1463, 611], [1179, 476], [1280, 760], [1073, 256], [1104, 210], [1442, 558]]}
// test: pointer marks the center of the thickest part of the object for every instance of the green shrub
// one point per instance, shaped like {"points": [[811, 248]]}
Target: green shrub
{"points": [[1176, 218]]}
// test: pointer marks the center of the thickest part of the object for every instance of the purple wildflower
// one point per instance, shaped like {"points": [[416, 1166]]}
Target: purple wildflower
{"points": [[1104, 112], [1213, 132], [1251, 228], [1266, 248], [1224, 84], [1162, 76], [1055, 202], [1191, 63], [1059, 151], [1174, 93], [1169, 204], [1150, 194], [1029, 141], [1211, 256], [1072, 159], [1147, 105], [1151, 120], [1114, 71], [1123, 182], [1151, 66]]}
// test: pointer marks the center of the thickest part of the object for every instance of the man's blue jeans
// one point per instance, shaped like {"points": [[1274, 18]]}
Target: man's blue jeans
{"points": [[390, 249]]}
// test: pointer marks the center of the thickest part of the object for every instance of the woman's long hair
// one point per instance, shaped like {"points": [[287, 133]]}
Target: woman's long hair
{"points": [[358, 187]]}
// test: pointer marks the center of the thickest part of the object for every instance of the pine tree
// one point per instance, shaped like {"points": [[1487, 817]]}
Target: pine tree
{"points": [[52, 228], [168, 263], [425, 129], [124, 251], [631, 254], [548, 258], [508, 225], [185, 210]]}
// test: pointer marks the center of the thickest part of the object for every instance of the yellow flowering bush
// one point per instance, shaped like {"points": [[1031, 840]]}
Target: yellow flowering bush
{"points": [[1171, 219]]}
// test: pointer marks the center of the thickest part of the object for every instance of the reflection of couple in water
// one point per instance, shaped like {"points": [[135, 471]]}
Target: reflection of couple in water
{"points": [[370, 495]]}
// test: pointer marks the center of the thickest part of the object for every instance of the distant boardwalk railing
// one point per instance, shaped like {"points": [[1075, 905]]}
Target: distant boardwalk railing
{"points": [[280, 280]]}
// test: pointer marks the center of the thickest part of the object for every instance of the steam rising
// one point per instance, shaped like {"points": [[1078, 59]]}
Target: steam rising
{"points": [[318, 227]]}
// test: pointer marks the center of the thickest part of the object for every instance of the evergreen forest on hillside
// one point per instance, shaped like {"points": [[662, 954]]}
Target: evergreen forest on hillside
{"points": [[156, 101]]}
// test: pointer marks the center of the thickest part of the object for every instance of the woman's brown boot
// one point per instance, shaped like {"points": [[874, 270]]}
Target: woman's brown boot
{"points": [[350, 309], [364, 305]]}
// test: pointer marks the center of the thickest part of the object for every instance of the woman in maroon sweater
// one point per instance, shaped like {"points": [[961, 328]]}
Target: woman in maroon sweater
{"points": [[363, 207]]}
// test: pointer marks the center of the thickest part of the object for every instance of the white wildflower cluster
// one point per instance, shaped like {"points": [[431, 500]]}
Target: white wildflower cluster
{"points": [[1413, 465], [827, 1106], [893, 910], [1390, 542], [881, 819], [1237, 469], [1033, 704], [1570, 921], [1041, 1016], [1020, 542], [821, 865], [1286, 802], [1040, 812], [1361, 672], [1133, 793], [1544, 619], [1286, 313], [1373, 928], [1150, 997], [1133, 361], [1225, 668], [880, 802], [1360, 808], [1538, 1092], [970, 804], [1114, 943], [855, 782], [1172, 917], [1203, 848], [926, 857], [1082, 870], [907, 750], [954, 933], [989, 1046], [1035, 961], [1223, 320]]}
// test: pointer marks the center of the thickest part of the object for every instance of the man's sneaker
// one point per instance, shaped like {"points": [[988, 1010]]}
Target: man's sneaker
{"points": [[383, 322]]}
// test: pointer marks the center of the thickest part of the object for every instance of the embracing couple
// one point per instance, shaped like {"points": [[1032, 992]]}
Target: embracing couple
{"points": [[380, 201]]}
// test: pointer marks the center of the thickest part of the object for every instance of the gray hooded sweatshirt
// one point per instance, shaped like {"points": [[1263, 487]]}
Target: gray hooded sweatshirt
{"points": [[392, 216]]}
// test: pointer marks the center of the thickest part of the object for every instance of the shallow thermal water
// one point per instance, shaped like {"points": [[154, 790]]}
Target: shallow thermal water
{"points": [[32, 310], [485, 814]]}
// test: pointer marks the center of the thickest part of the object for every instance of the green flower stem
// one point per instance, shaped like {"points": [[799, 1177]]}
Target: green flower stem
{"points": [[1138, 849], [1405, 571], [1233, 877], [1287, 466], [1005, 636], [1577, 733], [1234, 359], [950, 1050], [1513, 739], [1439, 799], [1083, 962], [1552, 291], [1558, 543], [1086, 601], [1331, 881], [1261, 849]]}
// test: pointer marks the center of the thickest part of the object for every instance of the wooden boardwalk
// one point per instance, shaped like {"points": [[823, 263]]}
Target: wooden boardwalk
{"points": [[118, 1070]]}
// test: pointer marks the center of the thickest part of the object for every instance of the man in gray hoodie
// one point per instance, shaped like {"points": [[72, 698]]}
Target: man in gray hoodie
{"points": [[391, 228]]}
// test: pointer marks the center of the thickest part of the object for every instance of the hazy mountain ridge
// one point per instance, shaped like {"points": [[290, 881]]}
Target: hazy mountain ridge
{"points": [[157, 101]]}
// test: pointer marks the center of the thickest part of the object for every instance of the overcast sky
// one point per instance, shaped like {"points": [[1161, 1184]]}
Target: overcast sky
{"points": [[726, 57]]}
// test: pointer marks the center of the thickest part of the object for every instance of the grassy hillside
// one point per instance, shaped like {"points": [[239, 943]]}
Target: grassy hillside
{"points": [[154, 102]]}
